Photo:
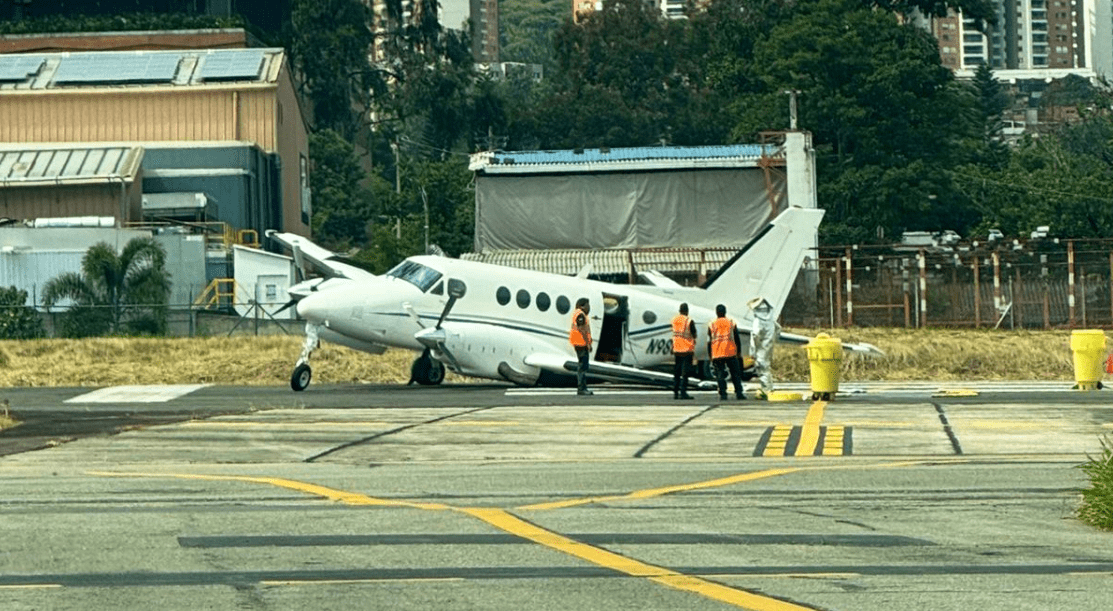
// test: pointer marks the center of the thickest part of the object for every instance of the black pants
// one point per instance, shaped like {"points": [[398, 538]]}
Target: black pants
{"points": [[721, 365], [582, 355], [680, 373]]}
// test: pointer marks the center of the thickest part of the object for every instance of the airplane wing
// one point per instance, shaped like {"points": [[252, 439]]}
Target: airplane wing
{"points": [[321, 259], [611, 372]]}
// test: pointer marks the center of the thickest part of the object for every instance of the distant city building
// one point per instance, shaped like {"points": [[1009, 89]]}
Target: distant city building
{"points": [[1071, 35], [503, 70], [481, 15]]}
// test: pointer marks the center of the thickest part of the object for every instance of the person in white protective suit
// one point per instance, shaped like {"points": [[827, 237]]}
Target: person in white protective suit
{"points": [[763, 335]]}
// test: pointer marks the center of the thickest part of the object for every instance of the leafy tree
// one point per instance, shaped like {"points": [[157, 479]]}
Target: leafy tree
{"points": [[17, 320], [526, 30], [889, 121], [622, 78], [341, 206], [991, 101], [114, 293], [330, 48]]}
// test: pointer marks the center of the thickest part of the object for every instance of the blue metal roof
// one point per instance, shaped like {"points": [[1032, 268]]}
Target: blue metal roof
{"points": [[604, 159]]}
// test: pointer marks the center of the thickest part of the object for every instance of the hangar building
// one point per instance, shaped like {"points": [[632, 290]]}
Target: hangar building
{"points": [[622, 210], [159, 100]]}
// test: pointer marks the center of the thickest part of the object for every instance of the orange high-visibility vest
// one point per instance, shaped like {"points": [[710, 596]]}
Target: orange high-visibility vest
{"points": [[682, 340], [578, 339], [722, 338]]}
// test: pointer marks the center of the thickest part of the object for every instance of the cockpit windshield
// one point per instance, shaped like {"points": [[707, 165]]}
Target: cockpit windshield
{"points": [[416, 274]]}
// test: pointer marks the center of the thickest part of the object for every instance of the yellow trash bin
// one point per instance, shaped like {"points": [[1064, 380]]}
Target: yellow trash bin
{"points": [[1088, 347], [825, 360]]}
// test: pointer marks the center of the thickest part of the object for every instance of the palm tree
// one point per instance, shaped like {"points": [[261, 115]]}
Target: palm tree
{"points": [[114, 293]]}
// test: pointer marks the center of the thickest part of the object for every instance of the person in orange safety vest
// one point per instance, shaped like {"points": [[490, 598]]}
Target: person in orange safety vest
{"points": [[580, 338], [683, 349], [723, 343]]}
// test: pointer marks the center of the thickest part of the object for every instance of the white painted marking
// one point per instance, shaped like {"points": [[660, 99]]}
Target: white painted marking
{"points": [[137, 394]]}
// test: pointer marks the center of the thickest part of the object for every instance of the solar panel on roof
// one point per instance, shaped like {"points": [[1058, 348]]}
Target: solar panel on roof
{"points": [[19, 68], [117, 68], [232, 65]]}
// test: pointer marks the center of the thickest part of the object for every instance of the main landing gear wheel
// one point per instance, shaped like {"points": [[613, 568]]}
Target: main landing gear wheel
{"points": [[302, 375], [822, 396], [426, 370]]}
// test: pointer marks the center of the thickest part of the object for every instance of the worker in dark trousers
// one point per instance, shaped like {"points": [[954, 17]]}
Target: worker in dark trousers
{"points": [[723, 343], [580, 338], [683, 350]]}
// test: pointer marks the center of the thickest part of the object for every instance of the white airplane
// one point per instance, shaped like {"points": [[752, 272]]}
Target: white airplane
{"points": [[508, 324]]}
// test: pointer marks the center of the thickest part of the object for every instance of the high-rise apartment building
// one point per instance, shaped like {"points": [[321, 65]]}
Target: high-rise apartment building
{"points": [[482, 16], [1058, 35]]}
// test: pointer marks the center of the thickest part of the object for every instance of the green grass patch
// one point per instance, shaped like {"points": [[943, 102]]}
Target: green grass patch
{"points": [[1097, 500]]}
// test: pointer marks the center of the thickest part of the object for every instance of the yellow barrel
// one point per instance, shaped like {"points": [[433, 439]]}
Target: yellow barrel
{"points": [[825, 360], [1088, 347]]}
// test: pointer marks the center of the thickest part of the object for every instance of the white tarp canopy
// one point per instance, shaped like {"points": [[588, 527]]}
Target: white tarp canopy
{"points": [[689, 208]]}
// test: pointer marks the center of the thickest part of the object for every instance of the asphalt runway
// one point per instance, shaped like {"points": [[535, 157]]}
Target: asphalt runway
{"points": [[892, 496]]}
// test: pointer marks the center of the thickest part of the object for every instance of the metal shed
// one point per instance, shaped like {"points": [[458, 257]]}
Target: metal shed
{"points": [[74, 180]]}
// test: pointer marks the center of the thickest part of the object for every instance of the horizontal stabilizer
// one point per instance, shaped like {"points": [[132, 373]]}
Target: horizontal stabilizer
{"points": [[860, 347]]}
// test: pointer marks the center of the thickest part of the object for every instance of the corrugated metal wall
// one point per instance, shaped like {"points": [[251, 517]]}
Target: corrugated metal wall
{"points": [[62, 201], [160, 114]]}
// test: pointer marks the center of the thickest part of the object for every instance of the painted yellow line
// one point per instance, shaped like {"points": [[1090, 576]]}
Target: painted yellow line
{"points": [[655, 492], [233, 424], [1005, 424], [341, 496], [778, 440], [833, 442], [482, 423], [740, 598], [809, 433], [333, 582]]}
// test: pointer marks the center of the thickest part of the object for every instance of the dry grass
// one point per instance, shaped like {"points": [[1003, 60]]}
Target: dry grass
{"points": [[911, 355]]}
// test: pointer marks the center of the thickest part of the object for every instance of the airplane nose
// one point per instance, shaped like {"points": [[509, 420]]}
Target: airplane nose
{"points": [[312, 307]]}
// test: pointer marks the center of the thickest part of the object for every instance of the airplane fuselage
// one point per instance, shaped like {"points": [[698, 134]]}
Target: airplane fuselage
{"points": [[505, 315]]}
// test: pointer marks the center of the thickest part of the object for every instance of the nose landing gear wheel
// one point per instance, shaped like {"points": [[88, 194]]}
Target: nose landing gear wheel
{"points": [[426, 370], [301, 377]]}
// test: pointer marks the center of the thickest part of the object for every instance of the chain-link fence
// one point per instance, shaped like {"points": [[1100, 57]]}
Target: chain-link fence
{"points": [[1041, 285]]}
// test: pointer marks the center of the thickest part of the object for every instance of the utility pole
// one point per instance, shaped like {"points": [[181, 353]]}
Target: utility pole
{"points": [[397, 190], [792, 93]]}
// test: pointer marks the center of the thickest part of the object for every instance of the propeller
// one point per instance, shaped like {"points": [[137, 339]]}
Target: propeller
{"points": [[435, 338]]}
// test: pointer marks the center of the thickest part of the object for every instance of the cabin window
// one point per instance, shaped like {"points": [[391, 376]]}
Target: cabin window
{"points": [[562, 305], [523, 299], [649, 317], [543, 302], [503, 295], [421, 276]]}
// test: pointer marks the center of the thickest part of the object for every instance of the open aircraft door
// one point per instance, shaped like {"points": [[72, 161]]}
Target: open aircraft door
{"points": [[612, 339]]}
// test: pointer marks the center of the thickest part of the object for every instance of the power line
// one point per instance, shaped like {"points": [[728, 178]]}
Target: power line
{"points": [[1033, 190]]}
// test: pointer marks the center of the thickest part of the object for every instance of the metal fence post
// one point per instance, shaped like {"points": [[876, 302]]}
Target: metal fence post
{"points": [[1070, 284], [923, 289], [849, 291]]}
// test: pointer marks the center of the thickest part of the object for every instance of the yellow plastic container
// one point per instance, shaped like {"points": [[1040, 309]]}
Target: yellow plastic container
{"points": [[825, 360], [1088, 347]]}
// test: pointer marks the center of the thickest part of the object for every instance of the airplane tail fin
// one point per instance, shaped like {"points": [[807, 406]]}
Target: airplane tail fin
{"points": [[767, 266]]}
